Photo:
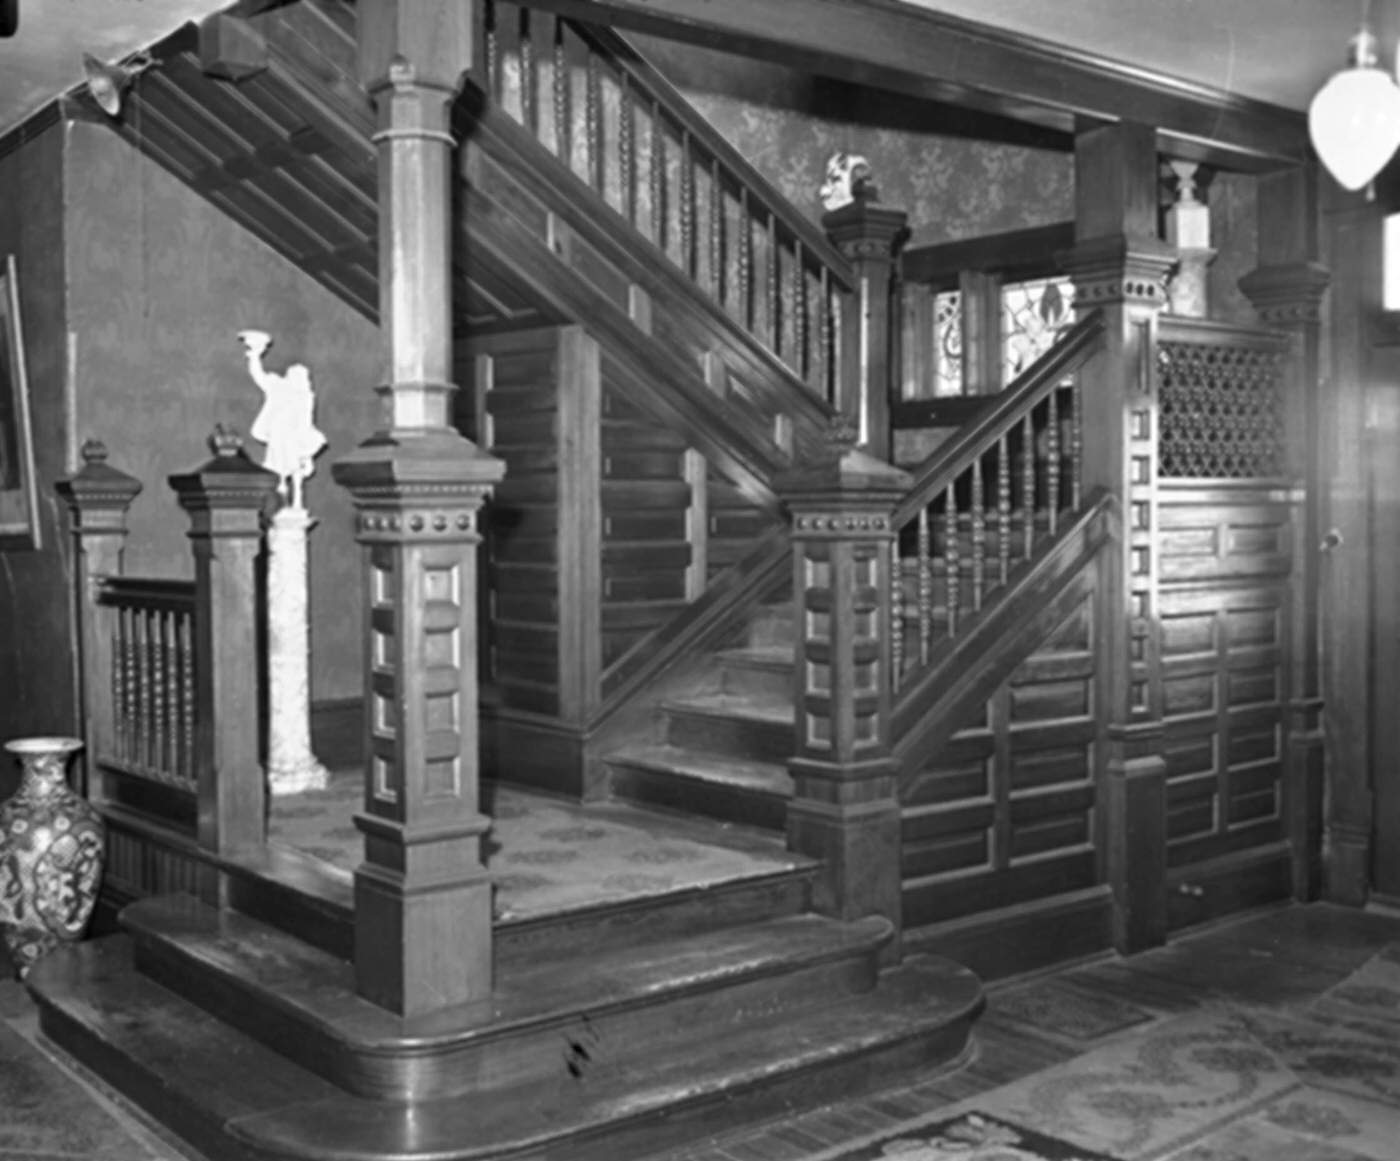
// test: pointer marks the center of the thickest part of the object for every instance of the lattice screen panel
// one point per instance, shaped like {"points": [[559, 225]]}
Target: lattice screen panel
{"points": [[1221, 411]]}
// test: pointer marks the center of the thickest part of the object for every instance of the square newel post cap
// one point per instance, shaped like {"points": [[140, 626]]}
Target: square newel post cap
{"points": [[862, 228], [842, 478], [228, 482], [97, 489], [407, 458]]}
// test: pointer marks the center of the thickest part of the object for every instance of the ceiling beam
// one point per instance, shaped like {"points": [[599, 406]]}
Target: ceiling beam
{"points": [[894, 46]]}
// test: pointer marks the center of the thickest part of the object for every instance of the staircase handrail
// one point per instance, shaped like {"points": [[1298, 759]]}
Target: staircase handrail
{"points": [[802, 229], [1002, 413]]}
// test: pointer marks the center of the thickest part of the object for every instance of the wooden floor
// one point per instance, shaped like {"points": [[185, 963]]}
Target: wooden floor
{"points": [[1270, 959]]}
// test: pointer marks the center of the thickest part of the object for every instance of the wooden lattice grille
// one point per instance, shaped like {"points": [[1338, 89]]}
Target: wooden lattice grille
{"points": [[1222, 410]]}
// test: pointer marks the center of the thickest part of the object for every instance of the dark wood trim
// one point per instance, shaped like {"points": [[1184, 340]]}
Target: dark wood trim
{"points": [[1208, 891], [949, 411], [891, 45], [1015, 255]]}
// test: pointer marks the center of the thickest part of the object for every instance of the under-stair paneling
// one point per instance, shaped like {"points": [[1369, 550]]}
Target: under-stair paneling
{"points": [[1226, 556], [1001, 842]]}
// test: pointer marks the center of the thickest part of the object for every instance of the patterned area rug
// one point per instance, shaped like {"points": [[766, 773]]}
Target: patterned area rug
{"points": [[548, 856], [1318, 1083]]}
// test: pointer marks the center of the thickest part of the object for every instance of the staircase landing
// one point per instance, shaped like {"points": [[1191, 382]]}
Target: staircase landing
{"points": [[548, 856]]}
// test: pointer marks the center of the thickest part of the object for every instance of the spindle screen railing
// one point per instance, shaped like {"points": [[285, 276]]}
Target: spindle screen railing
{"points": [[983, 500], [587, 95], [150, 625], [1220, 390]]}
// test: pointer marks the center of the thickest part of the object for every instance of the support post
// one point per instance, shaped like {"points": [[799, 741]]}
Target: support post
{"points": [[871, 236], [225, 500], [1287, 289], [1120, 266], [98, 498], [845, 805], [422, 894]]}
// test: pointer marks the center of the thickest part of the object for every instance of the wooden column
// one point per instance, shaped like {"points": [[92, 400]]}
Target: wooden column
{"points": [[98, 498], [845, 806], [1120, 267], [1287, 289], [422, 894], [225, 500], [871, 236], [1350, 588]]}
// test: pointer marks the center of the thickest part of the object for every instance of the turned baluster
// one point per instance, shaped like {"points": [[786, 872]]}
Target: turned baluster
{"points": [[952, 558], [1076, 447], [1004, 508], [801, 356], [896, 614], [1028, 485], [687, 206], [593, 122], [775, 329], [1052, 466], [979, 530], [658, 178], [529, 76], [627, 151], [716, 233], [925, 565], [745, 261], [562, 98]]}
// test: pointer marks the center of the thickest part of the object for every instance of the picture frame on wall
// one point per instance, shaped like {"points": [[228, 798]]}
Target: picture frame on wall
{"points": [[19, 499]]}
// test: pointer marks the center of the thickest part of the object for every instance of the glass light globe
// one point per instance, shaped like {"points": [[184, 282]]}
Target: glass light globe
{"points": [[1354, 120]]}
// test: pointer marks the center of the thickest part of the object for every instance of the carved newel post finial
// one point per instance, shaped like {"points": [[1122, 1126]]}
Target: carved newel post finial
{"points": [[849, 178], [1188, 229]]}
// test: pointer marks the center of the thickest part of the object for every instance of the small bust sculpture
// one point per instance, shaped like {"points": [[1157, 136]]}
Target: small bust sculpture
{"points": [[287, 422], [848, 177]]}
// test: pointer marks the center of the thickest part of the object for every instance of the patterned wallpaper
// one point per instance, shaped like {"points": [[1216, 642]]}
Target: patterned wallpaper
{"points": [[161, 284]]}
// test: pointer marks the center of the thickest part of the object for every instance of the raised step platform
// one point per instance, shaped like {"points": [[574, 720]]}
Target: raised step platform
{"points": [[575, 1075]]}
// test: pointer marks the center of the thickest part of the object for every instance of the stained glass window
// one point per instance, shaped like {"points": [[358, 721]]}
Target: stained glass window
{"points": [[1033, 316], [947, 350]]}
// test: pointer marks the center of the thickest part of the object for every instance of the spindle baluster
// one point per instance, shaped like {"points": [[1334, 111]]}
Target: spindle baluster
{"points": [[1004, 508], [979, 530], [925, 566], [1052, 457], [952, 562], [529, 76], [562, 98], [627, 151], [1028, 484]]}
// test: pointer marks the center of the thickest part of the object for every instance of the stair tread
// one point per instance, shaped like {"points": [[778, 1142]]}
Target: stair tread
{"points": [[270, 1104], [318, 989], [744, 773]]}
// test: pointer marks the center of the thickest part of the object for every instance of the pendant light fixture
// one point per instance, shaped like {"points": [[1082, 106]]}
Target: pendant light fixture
{"points": [[1354, 120]]}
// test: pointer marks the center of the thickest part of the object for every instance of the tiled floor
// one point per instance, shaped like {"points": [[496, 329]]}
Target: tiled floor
{"points": [[49, 1111]]}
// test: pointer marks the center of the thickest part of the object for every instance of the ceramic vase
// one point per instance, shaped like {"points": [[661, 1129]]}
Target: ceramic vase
{"points": [[52, 843]]}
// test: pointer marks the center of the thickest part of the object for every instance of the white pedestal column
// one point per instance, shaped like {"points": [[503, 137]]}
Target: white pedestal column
{"points": [[291, 766]]}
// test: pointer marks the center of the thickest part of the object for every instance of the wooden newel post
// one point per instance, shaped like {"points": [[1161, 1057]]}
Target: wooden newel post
{"points": [[1120, 267], [98, 498], [225, 499], [845, 806], [871, 236], [422, 894]]}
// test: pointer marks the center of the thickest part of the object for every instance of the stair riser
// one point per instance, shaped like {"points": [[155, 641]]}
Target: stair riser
{"points": [[697, 796], [762, 741], [843, 1079], [771, 625], [535, 1052], [637, 922], [764, 680]]}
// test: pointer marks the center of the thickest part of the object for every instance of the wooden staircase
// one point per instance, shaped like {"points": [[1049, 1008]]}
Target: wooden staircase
{"points": [[613, 1032]]}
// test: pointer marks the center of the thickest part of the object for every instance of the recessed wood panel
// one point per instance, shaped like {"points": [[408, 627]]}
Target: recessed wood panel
{"points": [[1049, 768], [1050, 701], [950, 784], [1187, 634], [1193, 693]]}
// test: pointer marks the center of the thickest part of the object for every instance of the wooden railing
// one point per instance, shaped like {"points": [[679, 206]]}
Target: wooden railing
{"points": [[673, 178], [981, 501], [150, 627]]}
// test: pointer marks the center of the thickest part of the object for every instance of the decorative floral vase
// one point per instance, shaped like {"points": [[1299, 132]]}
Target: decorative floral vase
{"points": [[52, 843]]}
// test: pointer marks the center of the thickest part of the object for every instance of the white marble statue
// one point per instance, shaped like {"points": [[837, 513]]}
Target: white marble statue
{"points": [[287, 422], [846, 176]]}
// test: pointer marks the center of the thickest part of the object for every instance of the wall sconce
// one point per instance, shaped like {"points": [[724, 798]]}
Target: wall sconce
{"points": [[107, 82]]}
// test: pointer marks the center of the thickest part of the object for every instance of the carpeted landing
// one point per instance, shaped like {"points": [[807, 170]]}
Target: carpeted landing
{"points": [[547, 856]]}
